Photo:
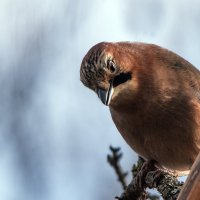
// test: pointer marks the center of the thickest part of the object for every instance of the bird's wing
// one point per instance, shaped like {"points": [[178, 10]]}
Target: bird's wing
{"points": [[192, 76]]}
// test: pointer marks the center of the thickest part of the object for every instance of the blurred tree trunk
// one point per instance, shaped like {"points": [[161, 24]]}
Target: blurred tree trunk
{"points": [[191, 189]]}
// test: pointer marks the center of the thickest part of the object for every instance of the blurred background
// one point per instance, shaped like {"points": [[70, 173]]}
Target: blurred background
{"points": [[54, 132]]}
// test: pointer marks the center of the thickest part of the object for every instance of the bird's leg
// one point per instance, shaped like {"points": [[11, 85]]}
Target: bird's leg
{"points": [[168, 171], [162, 169]]}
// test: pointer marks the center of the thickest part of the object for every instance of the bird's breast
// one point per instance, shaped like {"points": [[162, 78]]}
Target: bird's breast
{"points": [[171, 138]]}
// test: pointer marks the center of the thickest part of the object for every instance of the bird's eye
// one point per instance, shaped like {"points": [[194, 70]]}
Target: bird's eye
{"points": [[111, 66]]}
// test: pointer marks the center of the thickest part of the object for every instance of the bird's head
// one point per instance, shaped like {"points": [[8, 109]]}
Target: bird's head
{"points": [[106, 69]]}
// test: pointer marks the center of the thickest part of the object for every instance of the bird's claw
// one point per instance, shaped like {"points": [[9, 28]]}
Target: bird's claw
{"points": [[141, 175]]}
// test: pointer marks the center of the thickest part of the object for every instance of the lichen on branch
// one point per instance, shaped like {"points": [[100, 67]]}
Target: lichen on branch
{"points": [[145, 175]]}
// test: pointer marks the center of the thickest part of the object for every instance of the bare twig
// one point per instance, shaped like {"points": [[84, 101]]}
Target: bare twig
{"points": [[114, 162]]}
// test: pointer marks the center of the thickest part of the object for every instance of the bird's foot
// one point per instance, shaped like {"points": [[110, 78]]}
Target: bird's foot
{"points": [[141, 175], [153, 178]]}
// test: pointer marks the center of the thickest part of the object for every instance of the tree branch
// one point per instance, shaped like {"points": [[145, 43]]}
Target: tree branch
{"points": [[166, 183], [191, 189]]}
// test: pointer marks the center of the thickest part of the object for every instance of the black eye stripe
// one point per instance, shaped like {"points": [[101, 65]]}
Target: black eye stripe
{"points": [[121, 78]]}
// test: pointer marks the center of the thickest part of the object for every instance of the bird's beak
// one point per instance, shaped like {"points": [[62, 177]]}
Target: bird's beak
{"points": [[105, 95]]}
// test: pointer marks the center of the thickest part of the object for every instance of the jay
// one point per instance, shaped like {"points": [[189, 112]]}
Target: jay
{"points": [[154, 99]]}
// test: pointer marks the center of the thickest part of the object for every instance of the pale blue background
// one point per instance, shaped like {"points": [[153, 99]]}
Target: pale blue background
{"points": [[55, 133]]}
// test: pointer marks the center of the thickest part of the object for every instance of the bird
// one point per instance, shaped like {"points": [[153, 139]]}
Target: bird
{"points": [[153, 95]]}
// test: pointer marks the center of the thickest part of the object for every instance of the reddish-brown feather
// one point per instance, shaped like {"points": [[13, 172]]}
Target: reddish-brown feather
{"points": [[158, 110]]}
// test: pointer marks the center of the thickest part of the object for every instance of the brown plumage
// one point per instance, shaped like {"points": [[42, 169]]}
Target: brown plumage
{"points": [[154, 99]]}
